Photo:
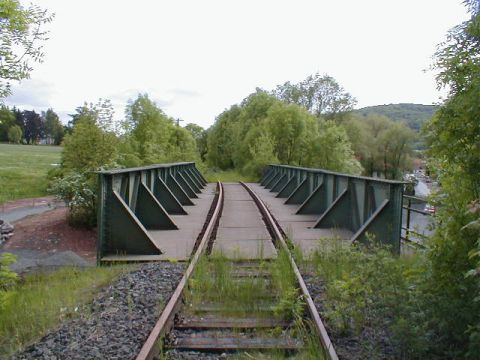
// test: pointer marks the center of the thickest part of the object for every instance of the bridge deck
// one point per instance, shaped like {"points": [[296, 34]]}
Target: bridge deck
{"points": [[241, 232], [298, 227], [178, 244]]}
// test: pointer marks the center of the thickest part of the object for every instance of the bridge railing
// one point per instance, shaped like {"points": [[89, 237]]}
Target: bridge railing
{"points": [[369, 207], [134, 200]]}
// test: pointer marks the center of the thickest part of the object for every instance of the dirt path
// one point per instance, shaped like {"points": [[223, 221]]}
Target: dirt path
{"points": [[46, 240]]}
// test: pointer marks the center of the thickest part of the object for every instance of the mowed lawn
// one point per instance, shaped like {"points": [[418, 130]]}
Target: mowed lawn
{"points": [[23, 170]]}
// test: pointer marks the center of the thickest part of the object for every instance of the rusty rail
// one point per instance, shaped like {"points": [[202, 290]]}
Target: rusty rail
{"points": [[319, 326], [165, 321]]}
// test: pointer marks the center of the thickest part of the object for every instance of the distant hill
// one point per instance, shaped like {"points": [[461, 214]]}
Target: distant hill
{"points": [[414, 115]]}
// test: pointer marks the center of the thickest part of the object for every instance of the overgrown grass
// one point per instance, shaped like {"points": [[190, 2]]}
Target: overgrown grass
{"points": [[23, 170], [213, 282], [373, 297], [40, 302], [227, 176]]}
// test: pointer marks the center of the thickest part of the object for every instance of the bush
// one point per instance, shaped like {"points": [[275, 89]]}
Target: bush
{"points": [[375, 297], [79, 193]]}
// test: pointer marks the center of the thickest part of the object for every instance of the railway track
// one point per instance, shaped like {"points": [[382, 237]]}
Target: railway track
{"points": [[242, 292]]}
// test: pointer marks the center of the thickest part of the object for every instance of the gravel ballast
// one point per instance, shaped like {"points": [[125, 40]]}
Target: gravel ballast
{"points": [[118, 321]]}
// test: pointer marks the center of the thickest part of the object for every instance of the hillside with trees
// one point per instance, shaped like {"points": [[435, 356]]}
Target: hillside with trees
{"points": [[414, 115]]}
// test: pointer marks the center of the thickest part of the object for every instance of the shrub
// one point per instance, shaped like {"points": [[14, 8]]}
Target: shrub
{"points": [[79, 193]]}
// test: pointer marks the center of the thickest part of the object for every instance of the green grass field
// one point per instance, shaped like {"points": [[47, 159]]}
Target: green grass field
{"points": [[23, 170]]}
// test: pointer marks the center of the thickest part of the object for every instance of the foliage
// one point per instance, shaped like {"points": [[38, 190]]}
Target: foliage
{"points": [[79, 193], [151, 137], [381, 145], [53, 127], [321, 95], [88, 147], [8, 278], [374, 298], [33, 127], [7, 120], [22, 36], [15, 134], [453, 136], [200, 136], [42, 301], [413, 115], [263, 129], [23, 170]]}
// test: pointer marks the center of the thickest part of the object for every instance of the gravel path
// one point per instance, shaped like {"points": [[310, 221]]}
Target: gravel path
{"points": [[119, 320]]}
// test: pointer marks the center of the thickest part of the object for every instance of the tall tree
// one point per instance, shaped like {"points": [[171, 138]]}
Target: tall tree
{"points": [[53, 127], [319, 94], [22, 36], [34, 129], [200, 136]]}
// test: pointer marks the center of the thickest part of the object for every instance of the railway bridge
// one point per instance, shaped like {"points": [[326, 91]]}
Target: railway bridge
{"points": [[159, 212], [236, 240]]}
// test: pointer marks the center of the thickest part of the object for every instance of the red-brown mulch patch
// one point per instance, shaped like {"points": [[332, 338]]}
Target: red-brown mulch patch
{"points": [[49, 231]]}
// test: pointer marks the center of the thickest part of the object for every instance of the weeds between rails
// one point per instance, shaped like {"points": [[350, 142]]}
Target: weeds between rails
{"points": [[272, 291]]}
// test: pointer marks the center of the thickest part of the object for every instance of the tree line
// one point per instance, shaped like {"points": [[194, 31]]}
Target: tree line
{"points": [[307, 124], [29, 127]]}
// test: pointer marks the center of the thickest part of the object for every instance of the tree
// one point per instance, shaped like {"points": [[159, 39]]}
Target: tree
{"points": [[34, 129], [453, 136], [151, 136], [382, 146], [7, 120], [88, 147], [53, 127], [15, 134], [321, 95], [200, 136], [22, 35], [290, 135]]}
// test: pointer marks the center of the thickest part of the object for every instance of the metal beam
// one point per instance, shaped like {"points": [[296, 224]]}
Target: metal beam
{"points": [[300, 194], [166, 198], [289, 188], [126, 232], [280, 183], [337, 215], [185, 185], [178, 191], [316, 203], [151, 213]]}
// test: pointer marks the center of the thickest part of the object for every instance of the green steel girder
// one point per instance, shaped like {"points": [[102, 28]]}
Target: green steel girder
{"points": [[336, 216], [268, 175], [280, 183], [273, 180], [289, 187], [167, 199], [150, 212], [184, 183], [316, 203], [133, 201], [300, 194], [195, 178], [192, 181], [200, 176], [369, 207], [178, 191], [126, 233]]}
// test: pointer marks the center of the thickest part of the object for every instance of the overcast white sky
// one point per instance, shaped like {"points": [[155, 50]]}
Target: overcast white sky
{"points": [[196, 58]]}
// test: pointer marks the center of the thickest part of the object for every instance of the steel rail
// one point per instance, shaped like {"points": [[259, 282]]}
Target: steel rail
{"points": [[319, 326], [164, 323]]}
